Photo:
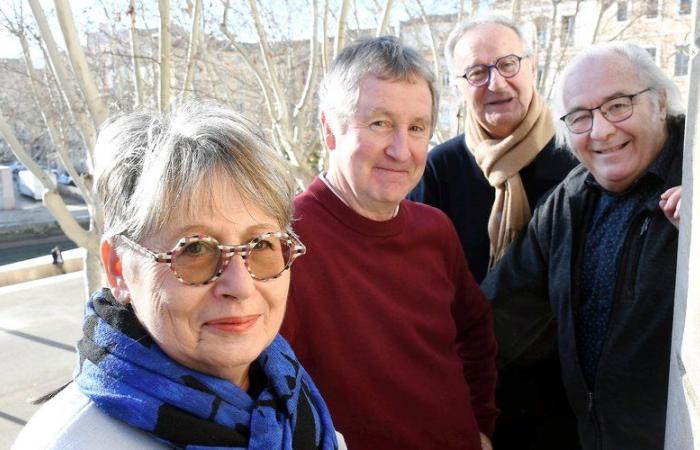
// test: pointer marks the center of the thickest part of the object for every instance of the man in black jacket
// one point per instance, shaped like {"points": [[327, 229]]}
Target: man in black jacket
{"points": [[488, 181], [599, 256]]}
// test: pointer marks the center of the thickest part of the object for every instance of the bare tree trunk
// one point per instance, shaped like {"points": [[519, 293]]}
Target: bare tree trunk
{"points": [[603, 6], [311, 71], [275, 100], [56, 138], [562, 52], [192, 49], [54, 203], [384, 21], [72, 101], [515, 11], [97, 109], [434, 51], [542, 82], [133, 34], [165, 59], [340, 28], [266, 55], [475, 8], [324, 39]]}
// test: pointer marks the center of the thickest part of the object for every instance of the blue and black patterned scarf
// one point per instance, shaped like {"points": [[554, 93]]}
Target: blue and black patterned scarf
{"points": [[124, 372]]}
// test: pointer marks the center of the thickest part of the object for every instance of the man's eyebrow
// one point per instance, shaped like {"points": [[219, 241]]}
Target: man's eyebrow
{"points": [[379, 110]]}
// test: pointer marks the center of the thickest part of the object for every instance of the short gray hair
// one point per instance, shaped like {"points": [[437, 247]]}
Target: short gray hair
{"points": [[649, 74], [382, 57], [152, 167], [467, 25]]}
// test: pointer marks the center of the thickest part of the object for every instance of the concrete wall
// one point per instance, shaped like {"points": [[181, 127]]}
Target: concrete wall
{"points": [[683, 410], [41, 267], [7, 190]]}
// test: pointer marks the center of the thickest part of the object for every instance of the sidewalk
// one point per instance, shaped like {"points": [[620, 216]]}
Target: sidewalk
{"points": [[40, 323]]}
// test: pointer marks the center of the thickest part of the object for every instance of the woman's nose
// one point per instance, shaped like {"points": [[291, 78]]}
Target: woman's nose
{"points": [[235, 281]]}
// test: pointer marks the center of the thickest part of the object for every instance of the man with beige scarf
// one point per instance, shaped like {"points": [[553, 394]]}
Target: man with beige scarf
{"points": [[488, 181]]}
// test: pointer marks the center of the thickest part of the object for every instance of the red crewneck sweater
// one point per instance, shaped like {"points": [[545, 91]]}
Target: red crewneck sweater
{"points": [[391, 325]]}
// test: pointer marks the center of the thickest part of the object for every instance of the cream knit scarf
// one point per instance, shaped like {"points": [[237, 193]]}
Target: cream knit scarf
{"points": [[501, 161]]}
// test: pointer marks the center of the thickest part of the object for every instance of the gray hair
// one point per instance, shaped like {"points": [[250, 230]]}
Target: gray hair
{"points": [[383, 57], [649, 74], [151, 168], [467, 25]]}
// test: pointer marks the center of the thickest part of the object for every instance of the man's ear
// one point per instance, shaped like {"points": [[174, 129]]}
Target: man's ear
{"points": [[534, 64], [663, 104], [328, 134], [112, 263]]}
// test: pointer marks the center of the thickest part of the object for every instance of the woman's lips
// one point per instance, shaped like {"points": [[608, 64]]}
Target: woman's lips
{"points": [[234, 324]]}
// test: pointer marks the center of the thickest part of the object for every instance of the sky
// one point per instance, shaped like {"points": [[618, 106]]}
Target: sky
{"points": [[9, 45]]}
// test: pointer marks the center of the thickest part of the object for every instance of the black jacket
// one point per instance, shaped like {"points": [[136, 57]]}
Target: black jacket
{"points": [[537, 282], [454, 183]]}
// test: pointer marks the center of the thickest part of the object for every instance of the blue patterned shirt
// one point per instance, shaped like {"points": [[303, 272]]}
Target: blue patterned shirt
{"points": [[603, 243]]}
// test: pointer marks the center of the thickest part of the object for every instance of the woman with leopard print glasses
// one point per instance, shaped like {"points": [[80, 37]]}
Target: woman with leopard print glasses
{"points": [[182, 348]]}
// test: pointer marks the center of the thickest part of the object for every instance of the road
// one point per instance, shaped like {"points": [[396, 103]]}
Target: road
{"points": [[40, 323]]}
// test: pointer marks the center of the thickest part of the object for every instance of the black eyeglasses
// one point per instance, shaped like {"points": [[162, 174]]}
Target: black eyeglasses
{"points": [[200, 259], [480, 74], [614, 110]]}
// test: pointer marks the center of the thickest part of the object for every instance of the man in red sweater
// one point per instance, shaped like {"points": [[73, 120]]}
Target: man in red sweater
{"points": [[383, 311]]}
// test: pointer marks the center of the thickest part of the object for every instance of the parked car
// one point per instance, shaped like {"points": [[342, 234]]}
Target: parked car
{"points": [[29, 185]]}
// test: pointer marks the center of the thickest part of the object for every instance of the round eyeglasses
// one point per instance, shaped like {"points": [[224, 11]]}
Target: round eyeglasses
{"points": [[200, 259], [480, 74], [614, 110]]}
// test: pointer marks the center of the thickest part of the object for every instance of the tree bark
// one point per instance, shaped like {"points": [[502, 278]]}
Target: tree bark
{"points": [[384, 21], [135, 59], [97, 109], [71, 100], [54, 203], [340, 28], [542, 82], [192, 49], [165, 58]]}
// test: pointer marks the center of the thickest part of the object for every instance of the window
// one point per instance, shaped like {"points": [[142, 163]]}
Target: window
{"points": [[622, 10], [684, 7], [652, 52], [652, 9], [680, 68], [567, 30]]}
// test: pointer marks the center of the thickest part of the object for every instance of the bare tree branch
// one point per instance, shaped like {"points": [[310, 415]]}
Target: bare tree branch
{"points": [[97, 109], [192, 48], [87, 129], [135, 63], [340, 28], [165, 54], [384, 21], [303, 100]]}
